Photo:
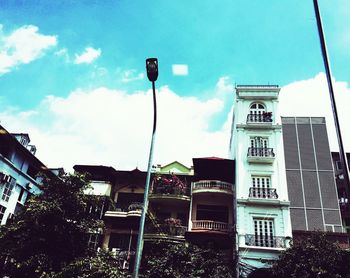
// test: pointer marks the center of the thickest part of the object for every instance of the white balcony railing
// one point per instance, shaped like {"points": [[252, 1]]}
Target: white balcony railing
{"points": [[210, 225], [212, 185]]}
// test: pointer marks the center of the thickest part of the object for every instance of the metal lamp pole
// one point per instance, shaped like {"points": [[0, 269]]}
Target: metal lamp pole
{"points": [[327, 67], [152, 74]]}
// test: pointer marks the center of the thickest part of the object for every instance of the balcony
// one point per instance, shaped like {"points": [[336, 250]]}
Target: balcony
{"points": [[133, 209], [260, 155], [265, 241], [170, 190], [212, 186], [210, 225], [170, 230], [263, 193], [260, 120]]}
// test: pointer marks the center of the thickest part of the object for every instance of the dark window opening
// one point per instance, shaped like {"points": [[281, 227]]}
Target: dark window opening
{"points": [[211, 212], [123, 241], [126, 199]]}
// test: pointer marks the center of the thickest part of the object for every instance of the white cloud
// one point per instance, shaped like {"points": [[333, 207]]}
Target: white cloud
{"points": [[180, 69], [22, 46], [224, 86], [131, 75], [111, 127], [63, 53], [311, 98], [88, 56]]}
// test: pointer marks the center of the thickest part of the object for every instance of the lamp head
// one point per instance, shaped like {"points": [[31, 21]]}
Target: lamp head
{"points": [[152, 69]]}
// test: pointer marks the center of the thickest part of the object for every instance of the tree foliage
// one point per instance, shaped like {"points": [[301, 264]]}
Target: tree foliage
{"points": [[313, 257], [175, 260], [51, 231], [102, 265]]}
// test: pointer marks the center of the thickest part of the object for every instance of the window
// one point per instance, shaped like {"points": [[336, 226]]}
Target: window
{"points": [[126, 199], [2, 212], [263, 232], [261, 182], [20, 196], [8, 187], [257, 109], [259, 142], [94, 240]]}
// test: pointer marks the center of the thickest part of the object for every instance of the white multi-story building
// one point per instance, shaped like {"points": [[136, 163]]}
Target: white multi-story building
{"points": [[18, 172], [262, 204]]}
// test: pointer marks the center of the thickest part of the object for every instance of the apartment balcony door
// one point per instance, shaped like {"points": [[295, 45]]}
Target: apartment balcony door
{"points": [[259, 142], [257, 109], [264, 232]]}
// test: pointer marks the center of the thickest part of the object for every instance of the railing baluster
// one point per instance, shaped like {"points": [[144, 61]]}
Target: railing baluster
{"points": [[265, 241]]}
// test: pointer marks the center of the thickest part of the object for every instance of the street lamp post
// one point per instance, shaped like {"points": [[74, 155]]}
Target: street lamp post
{"points": [[152, 74], [343, 159]]}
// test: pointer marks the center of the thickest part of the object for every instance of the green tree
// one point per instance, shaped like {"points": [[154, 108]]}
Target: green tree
{"points": [[175, 260], [313, 257], [51, 232], [101, 265]]}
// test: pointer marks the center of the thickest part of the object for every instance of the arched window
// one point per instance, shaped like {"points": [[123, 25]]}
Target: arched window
{"points": [[257, 113], [257, 109]]}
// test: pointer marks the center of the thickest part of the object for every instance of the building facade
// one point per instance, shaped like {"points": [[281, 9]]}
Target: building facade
{"points": [[263, 215], [310, 175], [18, 172], [343, 198], [185, 204]]}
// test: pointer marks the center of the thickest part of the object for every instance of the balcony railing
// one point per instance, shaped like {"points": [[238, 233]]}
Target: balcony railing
{"points": [[123, 210], [170, 190], [210, 225], [265, 117], [212, 185], [134, 206], [166, 230], [265, 241], [263, 193], [261, 152]]}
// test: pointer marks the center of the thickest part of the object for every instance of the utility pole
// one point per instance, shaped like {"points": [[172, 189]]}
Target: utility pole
{"points": [[152, 74], [327, 67]]}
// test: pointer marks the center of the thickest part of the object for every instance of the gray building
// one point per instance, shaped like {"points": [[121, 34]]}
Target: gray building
{"points": [[310, 175]]}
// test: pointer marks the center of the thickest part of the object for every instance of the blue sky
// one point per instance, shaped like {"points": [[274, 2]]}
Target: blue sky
{"points": [[57, 51]]}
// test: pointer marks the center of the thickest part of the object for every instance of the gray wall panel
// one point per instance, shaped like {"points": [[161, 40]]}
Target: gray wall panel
{"points": [[290, 146], [298, 219], [311, 190], [332, 217], [306, 147], [328, 190], [314, 219], [295, 191], [323, 155]]}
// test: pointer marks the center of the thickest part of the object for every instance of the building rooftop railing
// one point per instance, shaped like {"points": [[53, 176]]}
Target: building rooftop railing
{"points": [[257, 86]]}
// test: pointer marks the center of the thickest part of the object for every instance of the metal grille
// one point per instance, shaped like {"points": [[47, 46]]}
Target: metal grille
{"points": [[8, 187], [263, 232]]}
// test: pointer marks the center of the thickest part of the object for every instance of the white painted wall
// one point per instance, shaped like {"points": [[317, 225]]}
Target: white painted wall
{"points": [[247, 208]]}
